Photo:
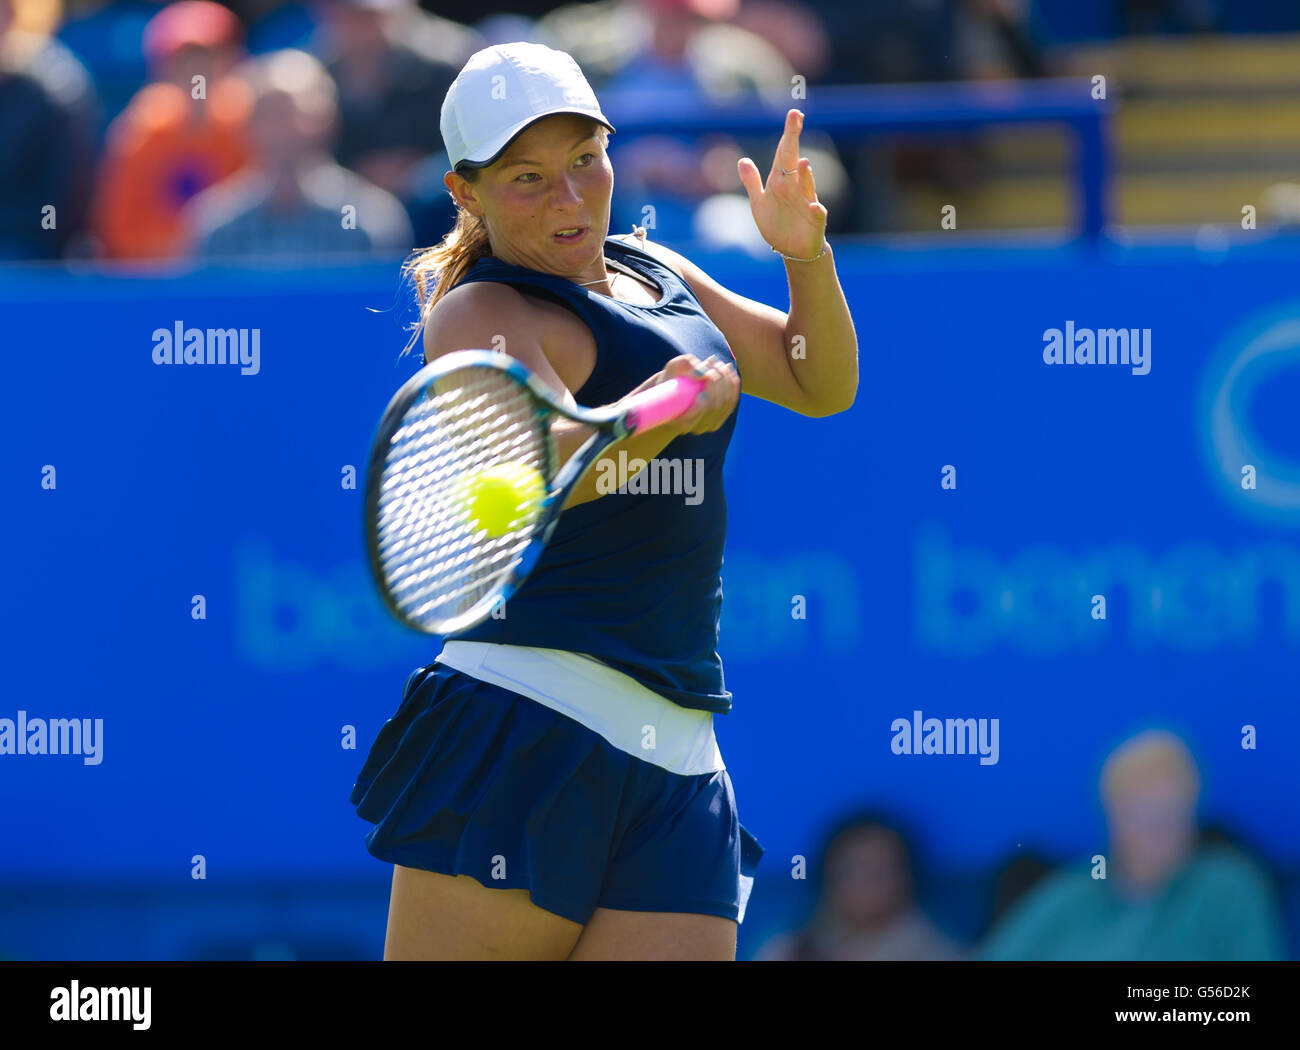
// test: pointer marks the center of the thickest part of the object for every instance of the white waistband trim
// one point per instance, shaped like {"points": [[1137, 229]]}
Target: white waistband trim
{"points": [[606, 701]]}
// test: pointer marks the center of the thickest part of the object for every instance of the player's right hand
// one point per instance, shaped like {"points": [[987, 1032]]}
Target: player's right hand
{"points": [[715, 403]]}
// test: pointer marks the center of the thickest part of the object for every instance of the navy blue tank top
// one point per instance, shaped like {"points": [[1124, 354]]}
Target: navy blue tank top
{"points": [[633, 578]]}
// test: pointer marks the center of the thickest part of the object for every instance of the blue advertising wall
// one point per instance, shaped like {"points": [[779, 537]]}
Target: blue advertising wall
{"points": [[224, 736]]}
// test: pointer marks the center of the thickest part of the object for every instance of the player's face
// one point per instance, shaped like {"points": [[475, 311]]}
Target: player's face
{"points": [[554, 178]]}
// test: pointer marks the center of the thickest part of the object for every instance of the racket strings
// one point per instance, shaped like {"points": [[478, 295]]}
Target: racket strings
{"points": [[440, 563]]}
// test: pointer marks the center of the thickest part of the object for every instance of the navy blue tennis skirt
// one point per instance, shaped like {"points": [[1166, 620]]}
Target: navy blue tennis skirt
{"points": [[468, 778]]}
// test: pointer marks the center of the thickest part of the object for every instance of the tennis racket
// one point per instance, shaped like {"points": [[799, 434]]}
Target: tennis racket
{"points": [[438, 569]]}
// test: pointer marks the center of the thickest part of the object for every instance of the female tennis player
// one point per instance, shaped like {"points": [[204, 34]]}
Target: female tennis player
{"points": [[550, 787]]}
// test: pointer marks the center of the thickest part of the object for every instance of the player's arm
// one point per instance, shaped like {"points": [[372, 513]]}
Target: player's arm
{"points": [[824, 380], [489, 314]]}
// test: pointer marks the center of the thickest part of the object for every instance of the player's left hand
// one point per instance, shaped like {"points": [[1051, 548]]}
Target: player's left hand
{"points": [[787, 212]]}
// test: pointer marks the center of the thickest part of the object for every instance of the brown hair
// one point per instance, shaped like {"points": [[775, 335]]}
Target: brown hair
{"points": [[436, 270]]}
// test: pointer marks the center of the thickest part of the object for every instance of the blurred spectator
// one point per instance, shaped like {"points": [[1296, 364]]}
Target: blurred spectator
{"points": [[30, 48], [994, 41], [472, 12], [39, 17], [656, 45], [109, 40], [991, 40], [866, 908], [435, 36], [274, 25], [1015, 879], [505, 29], [294, 200], [795, 30], [49, 131], [640, 53], [180, 134], [393, 64], [1171, 16], [914, 41], [1163, 898], [887, 41]]}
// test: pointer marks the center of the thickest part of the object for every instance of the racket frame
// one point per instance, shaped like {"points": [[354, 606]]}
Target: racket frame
{"points": [[612, 424]]}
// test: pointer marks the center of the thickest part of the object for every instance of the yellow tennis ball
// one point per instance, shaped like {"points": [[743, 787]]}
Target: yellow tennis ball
{"points": [[504, 496]]}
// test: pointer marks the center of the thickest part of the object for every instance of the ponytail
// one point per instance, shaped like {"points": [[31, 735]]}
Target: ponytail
{"points": [[436, 270]]}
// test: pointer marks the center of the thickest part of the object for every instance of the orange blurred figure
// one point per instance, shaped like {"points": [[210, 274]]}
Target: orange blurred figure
{"points": [[180, 134]]}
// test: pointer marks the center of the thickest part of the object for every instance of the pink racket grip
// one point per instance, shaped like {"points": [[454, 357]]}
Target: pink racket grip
{"points": [[663, 402]]}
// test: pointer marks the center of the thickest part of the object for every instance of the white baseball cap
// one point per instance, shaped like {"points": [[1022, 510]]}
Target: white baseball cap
{"points": [[502, 90]]}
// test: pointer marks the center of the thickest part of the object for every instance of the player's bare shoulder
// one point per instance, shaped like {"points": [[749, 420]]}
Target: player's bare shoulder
{"points": [[474, 314], [546, 337], [480, 299]]}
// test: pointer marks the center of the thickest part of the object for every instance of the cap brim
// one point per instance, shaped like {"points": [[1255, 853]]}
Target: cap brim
{"points": [[501, 143]]}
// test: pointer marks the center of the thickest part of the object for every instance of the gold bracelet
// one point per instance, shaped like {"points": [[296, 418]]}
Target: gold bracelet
{"points": [[792, 258]]}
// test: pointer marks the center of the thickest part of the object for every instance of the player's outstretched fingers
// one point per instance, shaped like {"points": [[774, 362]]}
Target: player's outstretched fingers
{"points": [[750, 178], [806, 181]]}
